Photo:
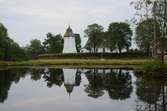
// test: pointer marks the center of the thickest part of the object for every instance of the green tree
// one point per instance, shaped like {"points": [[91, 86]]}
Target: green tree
{"points": [[9, 50], [53, 43], [145, 34], [143, 8], [119, 36], [78, 42], [35, 48], [3, 37], [94, 32]]}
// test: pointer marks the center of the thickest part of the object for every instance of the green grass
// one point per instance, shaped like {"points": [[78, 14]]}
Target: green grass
{"points": [[154, 66], [77, 62], [143, 66]]}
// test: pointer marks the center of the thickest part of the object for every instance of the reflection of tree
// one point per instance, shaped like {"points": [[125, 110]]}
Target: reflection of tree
{"points": [[152, 91], [7, 77], [5, 83], [78, 78], [36, 74], [148, 92], [54, 76], [95, 87], [118, 84]]}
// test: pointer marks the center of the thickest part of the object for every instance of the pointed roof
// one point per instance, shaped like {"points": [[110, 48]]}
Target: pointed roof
{"points": [[69, 88], [69, 32]]}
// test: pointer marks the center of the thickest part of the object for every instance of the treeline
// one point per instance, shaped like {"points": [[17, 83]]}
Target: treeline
{"points": [[150, 34], [10, 50], [117, 37], [151, 21]]}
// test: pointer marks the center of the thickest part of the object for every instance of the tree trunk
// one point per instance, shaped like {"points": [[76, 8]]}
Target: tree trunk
{"points": [[104, 50], [120, 50], [94, 49], [110, 50], [127, 49], [148, 50], [162, 50]]}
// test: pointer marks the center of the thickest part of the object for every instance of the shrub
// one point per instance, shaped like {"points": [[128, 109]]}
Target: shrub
{"points": [[94, 55]]}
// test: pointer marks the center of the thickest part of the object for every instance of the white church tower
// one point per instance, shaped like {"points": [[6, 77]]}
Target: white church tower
{"points": [[69, 41]]}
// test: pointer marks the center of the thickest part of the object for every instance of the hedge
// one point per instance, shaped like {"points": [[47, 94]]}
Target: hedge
{"points": [[94, 55]]}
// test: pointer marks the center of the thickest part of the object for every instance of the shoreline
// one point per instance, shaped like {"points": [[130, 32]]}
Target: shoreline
{"points": [[143, 66], [134, 64], [77, 62]]}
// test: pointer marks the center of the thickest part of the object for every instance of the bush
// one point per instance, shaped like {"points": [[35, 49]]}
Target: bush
{"points": [[154, 66], [94, 55]]}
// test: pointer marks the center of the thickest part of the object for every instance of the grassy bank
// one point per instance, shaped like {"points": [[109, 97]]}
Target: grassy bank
{"points": [[141, 64], [78, 62], [154, 66]]}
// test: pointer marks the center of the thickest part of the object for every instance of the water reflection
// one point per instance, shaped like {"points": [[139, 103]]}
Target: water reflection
{"points": [[116, 84], [7, 77], [53, 77], [151, 93]]}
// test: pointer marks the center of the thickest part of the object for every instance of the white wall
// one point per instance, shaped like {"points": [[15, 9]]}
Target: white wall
{"points": [[69, 45], [69, 76]]}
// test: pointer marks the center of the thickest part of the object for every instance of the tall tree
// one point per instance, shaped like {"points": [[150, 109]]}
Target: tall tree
{"points": [[143, 8], [53, 43], [145, 34], [94, 33], [160, 14], [3, 37], [119, 35], [9, 50], [78, 42], [35, 48]]}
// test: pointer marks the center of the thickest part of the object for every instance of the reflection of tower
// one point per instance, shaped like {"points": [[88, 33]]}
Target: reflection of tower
{"points": [[69, 79], [69, 41]]}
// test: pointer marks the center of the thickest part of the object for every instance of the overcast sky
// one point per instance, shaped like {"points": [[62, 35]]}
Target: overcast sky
{"points": [[29, 19]]}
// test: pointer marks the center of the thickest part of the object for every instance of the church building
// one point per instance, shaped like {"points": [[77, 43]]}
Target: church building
{"points": [[69, 41]]}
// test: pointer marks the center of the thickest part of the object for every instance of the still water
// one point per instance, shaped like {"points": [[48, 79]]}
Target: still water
{"points": [[30, 89]]}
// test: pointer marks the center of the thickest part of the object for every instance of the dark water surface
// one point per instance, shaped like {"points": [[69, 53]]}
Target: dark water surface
{"points": [[49, 89]]}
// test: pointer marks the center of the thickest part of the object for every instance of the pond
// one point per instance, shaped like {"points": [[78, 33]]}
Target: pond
{"points": [[41, 89]]}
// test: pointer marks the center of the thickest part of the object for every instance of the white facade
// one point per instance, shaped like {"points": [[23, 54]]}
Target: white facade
{"points": [[69, 41], [69, 79], [69, 76], [69, 45]]}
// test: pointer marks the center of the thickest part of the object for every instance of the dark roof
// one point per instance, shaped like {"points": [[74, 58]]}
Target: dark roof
{"points": [[69, 32], [69, 88]]}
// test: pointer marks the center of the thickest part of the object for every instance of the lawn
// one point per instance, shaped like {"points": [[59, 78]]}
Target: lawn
{"points": [[76, 62], [137, 64]]}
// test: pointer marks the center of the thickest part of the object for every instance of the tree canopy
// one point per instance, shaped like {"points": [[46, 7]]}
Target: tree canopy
{"points": [[145, 34], [35, 48], [119, 36], [94, 32], [53, 43], [10, 50]]}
